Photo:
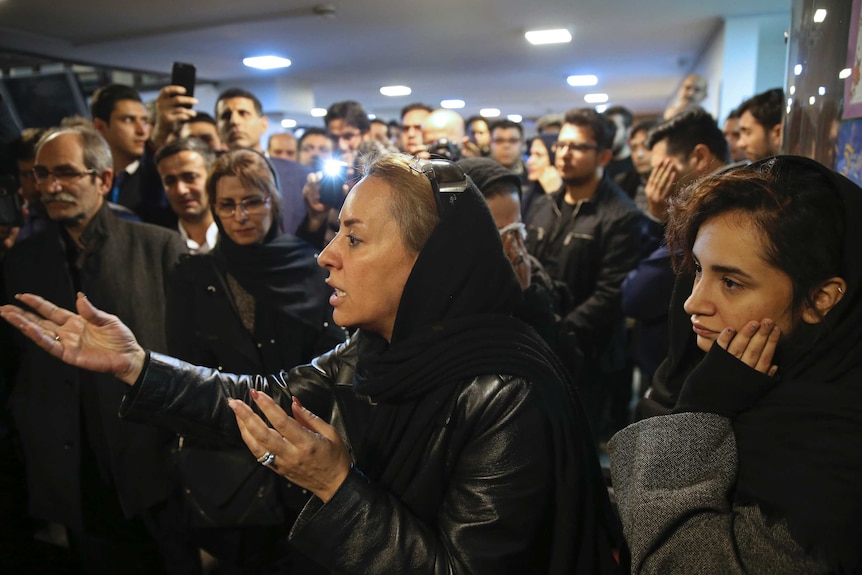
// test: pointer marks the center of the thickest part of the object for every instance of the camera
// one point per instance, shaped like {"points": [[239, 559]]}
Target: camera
{"points": [[333, 178], [10, 202], [446, 149]]}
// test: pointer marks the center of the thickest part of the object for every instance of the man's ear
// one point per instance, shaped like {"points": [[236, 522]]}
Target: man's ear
{"points": [[700, 159], [100, 125], [824, 298], [775, 135], [605, 156], [106, 179]]}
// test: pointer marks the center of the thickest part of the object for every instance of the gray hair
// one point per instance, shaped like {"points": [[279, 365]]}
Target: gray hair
{"points": [[96, 152]]}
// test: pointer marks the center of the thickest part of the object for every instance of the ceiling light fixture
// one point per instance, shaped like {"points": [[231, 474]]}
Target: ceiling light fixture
{"points": [[318, 112], [797, 69], [601, 108], [844, 74], [489, 112], [517, 118], [452, 104], [396, 90], [596, 98], [288, 123], [583, 80], [266, 62], [819, 15], [557, 36]]}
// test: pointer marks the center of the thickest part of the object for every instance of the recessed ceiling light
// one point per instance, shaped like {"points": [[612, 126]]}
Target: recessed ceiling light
{"points": [[792, 90], [517, 118], [266, 62], [797, 69], [583, 80], [452, 104], [596, 98], [318, 112], [820, 15], [845, 73], [601, 108], [558, 36], [288, 123], [396, 90], [372, 116], [811, 100], [489, 112]]}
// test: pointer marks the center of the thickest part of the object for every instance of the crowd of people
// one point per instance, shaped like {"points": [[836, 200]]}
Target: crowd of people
{"points": [[377, 347]]}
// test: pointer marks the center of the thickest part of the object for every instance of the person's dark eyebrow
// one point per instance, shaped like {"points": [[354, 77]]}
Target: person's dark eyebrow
{"points": [[350, 223], [730, 270]]}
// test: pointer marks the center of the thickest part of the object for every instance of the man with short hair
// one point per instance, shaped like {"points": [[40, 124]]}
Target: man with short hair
{"points": [[314, 143], [240, 117], [478, 143], [587, 235], [761, 125], [24, 151], [184, 165], [379, 131], [507, 141], [685, 148], [120, 117], [413, 117], [241, 125], [348, 125], [205, 128], [282, 146], [106, 480], [635, 185], [731, 134]]}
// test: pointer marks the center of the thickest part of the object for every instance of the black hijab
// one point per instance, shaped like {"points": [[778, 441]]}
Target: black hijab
{"points": [[282, 273], [800, 444], [454, 323]]}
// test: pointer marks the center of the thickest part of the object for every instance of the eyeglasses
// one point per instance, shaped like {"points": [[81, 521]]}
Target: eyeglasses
{"points": [[63, 175], [573, 146], [251, 206]]}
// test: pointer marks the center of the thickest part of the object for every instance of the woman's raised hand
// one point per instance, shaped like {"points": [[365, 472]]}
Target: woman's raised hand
{"points": [[90, 339], [307, 450], [754, 345]]}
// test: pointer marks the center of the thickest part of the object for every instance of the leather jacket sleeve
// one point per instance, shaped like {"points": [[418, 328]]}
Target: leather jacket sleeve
{"points": [[193, 400], [496, 499]]}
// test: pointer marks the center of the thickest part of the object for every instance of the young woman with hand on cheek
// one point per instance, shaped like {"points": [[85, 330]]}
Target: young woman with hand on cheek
{"points": [[757, 465]]}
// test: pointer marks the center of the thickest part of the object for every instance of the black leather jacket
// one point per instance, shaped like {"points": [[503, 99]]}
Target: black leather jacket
{"points": [[487, 478], [591, 252]]}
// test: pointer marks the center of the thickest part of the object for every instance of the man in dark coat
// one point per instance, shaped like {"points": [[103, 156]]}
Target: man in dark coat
{"points": [[104, 479]]}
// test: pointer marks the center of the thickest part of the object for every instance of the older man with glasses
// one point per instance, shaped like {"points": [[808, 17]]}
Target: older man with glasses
{"points": [[106, 481]]}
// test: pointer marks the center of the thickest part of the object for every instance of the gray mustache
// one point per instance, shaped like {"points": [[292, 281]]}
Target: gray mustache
{"points": [[58, 197]]}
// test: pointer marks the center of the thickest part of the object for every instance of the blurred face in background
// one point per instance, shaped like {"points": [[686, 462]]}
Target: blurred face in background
{"points": [[640, 154], [538, 161]]}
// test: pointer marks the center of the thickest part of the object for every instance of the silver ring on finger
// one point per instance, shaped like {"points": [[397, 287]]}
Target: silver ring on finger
{"points": [[266, 459]]}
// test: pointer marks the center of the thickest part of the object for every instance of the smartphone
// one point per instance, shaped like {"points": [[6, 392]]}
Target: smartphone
{"points": [[184, 75], [10, 202], [333, 178]]}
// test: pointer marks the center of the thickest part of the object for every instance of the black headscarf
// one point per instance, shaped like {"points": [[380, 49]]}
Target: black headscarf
{"points": [[282, 273], [800, 445], [454, 323]]}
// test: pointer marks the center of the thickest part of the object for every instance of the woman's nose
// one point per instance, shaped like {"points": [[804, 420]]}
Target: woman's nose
{"points": [[697, 302]]}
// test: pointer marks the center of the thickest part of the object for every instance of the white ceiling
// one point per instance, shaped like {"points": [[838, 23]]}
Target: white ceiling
{"points": [[469, 49]]}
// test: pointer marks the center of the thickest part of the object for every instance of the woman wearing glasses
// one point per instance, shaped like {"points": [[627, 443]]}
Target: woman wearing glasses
{"points": [[442, 438], [256, 304]]}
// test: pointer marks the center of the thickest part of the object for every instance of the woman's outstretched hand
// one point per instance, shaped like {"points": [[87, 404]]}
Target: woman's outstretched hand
{"points": [[90, 339], [754, 345], [307, 450]]}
